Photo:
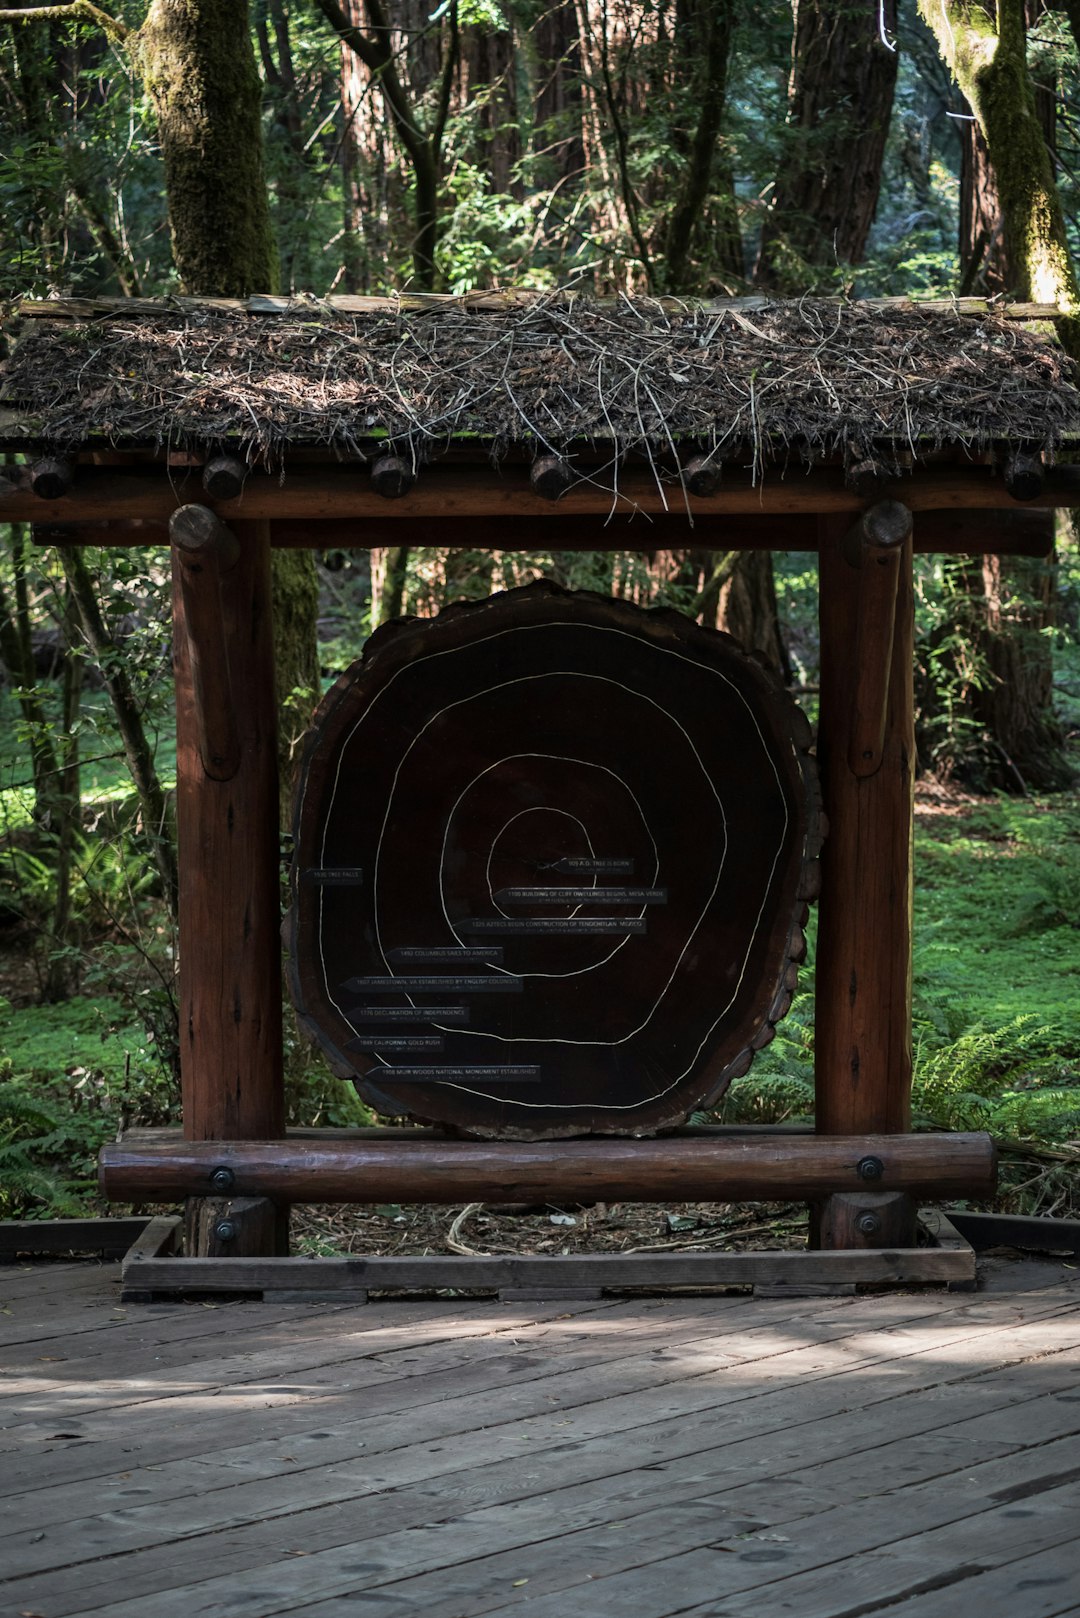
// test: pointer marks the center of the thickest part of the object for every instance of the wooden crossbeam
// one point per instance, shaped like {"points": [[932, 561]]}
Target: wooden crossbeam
{"points": [[318, 495], [959, 533]]}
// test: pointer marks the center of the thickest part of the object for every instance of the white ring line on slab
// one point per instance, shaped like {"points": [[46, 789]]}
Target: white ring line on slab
{"points": [[561, 758], [640, 642], [537, 809], [527, 679]]}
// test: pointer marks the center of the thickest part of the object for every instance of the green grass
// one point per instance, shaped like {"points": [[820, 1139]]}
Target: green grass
{"points": [[70, 1075], [996, 996]]}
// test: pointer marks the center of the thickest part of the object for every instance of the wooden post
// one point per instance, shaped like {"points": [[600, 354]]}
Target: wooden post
{"points": [[866, 1219], [227, 830], [863, 1020], [206, 550]]}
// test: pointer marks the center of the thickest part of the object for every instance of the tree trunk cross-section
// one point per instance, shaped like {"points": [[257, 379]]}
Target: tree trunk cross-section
{"points": [[552, 857]]}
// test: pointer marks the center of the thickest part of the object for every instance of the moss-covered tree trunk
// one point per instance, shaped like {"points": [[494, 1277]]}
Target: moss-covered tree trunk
{"points": [[1012, 238], [985, 49], [198, 66]]}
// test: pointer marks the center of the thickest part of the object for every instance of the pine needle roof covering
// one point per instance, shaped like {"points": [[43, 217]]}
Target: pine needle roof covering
{"points": [[801, 380]]}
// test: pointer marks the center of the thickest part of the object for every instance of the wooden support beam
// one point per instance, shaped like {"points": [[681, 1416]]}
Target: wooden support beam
{"points": [[862, 1035], [701, 476], [318, 493], [874, 547], [852, 1219], [205, 551], [1025, 474], [1002, 533], [230, 983], [392, 477], [52, 477], [224, 477], [550, 477], [235, 1227], [727, 1168]]}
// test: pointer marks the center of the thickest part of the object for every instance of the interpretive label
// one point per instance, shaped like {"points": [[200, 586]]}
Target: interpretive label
{"points": [[585, 865], [388, 1044], [406, 1014], [335, 876], [456, 1075], [554, 926], [414, 984], [460, 955], [582, 896]]}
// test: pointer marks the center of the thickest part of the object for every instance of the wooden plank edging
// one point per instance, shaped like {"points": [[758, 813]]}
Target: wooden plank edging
{"points": [[496, 1273]]}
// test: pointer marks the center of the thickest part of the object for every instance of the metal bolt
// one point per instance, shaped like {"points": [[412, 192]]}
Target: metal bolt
{"points": [[225, 1230], [223, 1179], [868, 1224], [870, 1168]]}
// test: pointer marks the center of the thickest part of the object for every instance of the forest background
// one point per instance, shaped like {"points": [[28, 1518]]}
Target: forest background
{"points": [[685, 147]]}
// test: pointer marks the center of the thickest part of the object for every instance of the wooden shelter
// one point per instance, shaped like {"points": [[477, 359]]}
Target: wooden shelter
{"points": [[862, 432]]}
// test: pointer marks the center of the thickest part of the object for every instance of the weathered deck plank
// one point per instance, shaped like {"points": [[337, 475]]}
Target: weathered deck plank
{"points": [[640, 1458]]}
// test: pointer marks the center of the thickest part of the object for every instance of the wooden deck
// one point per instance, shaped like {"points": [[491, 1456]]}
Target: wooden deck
{"points": [[716, 1458]]}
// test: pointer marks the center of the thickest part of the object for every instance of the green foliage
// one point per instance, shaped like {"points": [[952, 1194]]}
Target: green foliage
{"points": [[39, 1148], [779, 1089]]}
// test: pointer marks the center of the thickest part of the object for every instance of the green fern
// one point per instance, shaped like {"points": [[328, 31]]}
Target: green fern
{"points": [[31, 1136]]}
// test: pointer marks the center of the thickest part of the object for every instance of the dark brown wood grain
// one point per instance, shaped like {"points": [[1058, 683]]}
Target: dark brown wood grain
{"points": [[575, 1279], [235, 1227], [316, 493], [205, 551], [863, 962], [230, 993], [1025, 473], [1002, 533], [875, 549], [454, 783], [52, 477], [865, 1219], [224, 476], [550, 477], [718, 1168], [392, 476], [32, 1236]]}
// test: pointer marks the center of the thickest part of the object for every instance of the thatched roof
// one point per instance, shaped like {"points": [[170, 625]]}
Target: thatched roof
{"points": [[804, 380]]}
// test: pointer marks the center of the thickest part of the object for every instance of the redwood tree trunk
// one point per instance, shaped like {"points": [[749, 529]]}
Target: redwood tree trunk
{"points": [[839, 104], [747, 609]]}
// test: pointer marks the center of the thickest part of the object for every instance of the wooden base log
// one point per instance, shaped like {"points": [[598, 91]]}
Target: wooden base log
{"points": [[235, 1227], [728, 1168], [864, 1219]]}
